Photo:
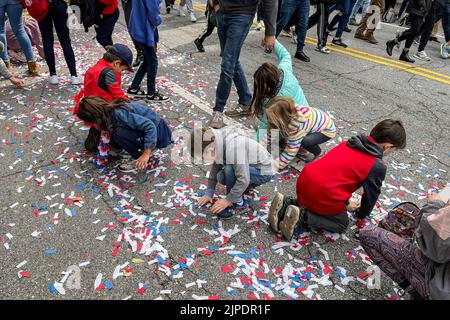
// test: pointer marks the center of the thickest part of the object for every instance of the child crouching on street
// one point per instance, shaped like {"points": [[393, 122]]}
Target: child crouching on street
{"points": [[130, 126], [239, 162], [324, 187]]}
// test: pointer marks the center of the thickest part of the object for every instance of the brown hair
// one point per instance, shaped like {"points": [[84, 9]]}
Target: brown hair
{"points": [[265, 82], [96, 110], [280, 112], [109, 57], [207, 137], [391, 131]]}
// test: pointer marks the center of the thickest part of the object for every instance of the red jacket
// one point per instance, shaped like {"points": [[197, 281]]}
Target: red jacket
{"points": [[325, 186], [101, 80], [111, 6]]}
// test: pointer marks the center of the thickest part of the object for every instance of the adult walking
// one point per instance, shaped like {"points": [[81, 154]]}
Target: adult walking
{"points": [[14, 10], [301, 9], [127, 5], [320, 17], [106, 16], [234, 19], [342, 21], [445, 16]]}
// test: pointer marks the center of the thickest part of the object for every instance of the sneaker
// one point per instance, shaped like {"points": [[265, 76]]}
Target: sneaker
{"points": [[53, 80], [181, 11], [217, 120], [137, 93], [302, 56], [193, 17], [199, 45], [444, 51], [238, 110], [434, 39], [323, 49], [352, 22], [157, 97], [243, 206], [288, 224], [138, 61], [127, 166], [422, 55], [347, 29], [76, 80], [168, 8], [276, 211], [226, 214], [305, 155], [339, 42]]}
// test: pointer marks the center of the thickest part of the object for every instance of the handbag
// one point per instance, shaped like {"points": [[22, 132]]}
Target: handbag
{"points": [[402, 220]]}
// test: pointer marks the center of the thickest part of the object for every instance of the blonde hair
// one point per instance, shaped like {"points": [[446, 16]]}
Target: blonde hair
{"points": [[280, 112]]}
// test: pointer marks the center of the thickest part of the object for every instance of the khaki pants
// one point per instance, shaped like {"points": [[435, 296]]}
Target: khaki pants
{"points": [[368, 21]]}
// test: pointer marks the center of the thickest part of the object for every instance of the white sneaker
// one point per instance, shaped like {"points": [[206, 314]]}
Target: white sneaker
{"points": [[181, 11], [193, 17], [76, 80], [422, 55], [53, 80], [445, 51]]}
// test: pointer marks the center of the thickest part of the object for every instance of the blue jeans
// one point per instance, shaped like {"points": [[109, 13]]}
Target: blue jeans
{"points": [[14, 10], [288, 8], [347, 6], [445, 16], [149, 67], [358, 4], [226, 177], [232, 30]]}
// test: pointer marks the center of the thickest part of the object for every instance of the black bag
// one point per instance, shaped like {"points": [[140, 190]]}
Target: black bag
{"points": [[90, 11]]}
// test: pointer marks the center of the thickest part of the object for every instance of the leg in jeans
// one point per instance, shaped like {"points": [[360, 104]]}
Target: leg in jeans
{"points": [[410, 34], [46, 28], [60, 18], [399, 258], [15, 14], [445, 16], [302, 23], [106, 27], [355, 9], [312, 140], [333, 223], [148, 67], [287, 10], [257, 178], [127, 6], [4, 55], [343, 22], [226, 177], [232, 30], [131, 141]]}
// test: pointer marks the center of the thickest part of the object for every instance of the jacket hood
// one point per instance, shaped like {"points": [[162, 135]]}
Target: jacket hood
{"points": [[222, 137], [365, 144]]}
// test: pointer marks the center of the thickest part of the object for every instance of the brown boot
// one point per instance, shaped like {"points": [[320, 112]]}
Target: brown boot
{"points": [[33, 68], [370, 38], [359, 33]]}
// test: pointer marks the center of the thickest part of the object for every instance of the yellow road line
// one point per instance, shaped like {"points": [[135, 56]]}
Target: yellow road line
{"points": [[395, 64]]}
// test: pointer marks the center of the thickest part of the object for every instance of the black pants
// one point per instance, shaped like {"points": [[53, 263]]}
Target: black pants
{"points": [[427, 28], [57, 15], [127, 5], [311, 142], [208, 31], [403, 7], [105, 28], [320, 17], [413, 32]]}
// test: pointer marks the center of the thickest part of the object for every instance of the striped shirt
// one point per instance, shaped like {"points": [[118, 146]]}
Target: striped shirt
{"points": [[308, 120]]}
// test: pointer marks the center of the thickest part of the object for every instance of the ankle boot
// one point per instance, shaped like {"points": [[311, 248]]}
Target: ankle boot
{"points": [[370, 38], [33, 68], [390, 46], [405, 56]]}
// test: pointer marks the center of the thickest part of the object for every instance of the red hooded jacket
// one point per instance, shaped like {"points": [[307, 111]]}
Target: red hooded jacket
{"points": [[111, 6]]}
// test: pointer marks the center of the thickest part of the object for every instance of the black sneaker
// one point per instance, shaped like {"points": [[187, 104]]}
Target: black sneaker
{"points": [[168, 8], [302, 56], [157, 97], [339, 42], [138, 93], [199, 45], [138, 61]]}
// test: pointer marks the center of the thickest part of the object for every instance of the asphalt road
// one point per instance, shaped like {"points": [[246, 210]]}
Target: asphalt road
{"points": [[138, 236]]}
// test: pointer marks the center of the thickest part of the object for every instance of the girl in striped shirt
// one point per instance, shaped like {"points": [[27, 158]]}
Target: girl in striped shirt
{"points": [[302, 128]]}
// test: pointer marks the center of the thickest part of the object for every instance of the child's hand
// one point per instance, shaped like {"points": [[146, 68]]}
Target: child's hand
{"points": [[353, 206], [204, 200], [221, 205], [142, 162], [17, 82]]}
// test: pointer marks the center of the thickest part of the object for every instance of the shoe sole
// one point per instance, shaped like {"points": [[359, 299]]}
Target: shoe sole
{"points": [[240, 114], [287, 226], [275, 207]]}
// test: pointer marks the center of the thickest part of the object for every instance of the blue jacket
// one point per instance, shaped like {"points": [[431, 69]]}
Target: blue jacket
{"points": [[139, 118], [144, 20]]}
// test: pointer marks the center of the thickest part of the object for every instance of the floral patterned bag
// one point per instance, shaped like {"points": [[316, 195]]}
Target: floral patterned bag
{"points": [[402, 219]]}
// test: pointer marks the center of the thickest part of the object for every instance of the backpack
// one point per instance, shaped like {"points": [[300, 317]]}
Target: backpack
{"points": [[402, 220], [38, 9], [89, 11]]}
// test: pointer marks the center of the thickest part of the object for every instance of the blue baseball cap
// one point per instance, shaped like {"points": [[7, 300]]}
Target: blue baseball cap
{"points": [[123, 52]]}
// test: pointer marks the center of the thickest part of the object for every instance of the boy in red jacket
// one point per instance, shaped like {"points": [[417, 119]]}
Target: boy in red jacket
{"points": [[324, 187], [104, 80]]}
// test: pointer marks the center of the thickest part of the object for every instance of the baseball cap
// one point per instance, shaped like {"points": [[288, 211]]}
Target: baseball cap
{"points": [[123, 52]]}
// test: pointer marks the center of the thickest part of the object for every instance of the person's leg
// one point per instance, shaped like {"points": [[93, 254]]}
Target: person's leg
{"points": [[302, 23], [322, 24], [312, 141], [333, 223], [4, 55], [127, 6], [131, 141], [355, 9], [152, 69], [233, 31], [399, 258], [314, 18], [60, 19], [229, 177], [445, 14], [343, 22], [46, 28], [189, 6], [105, 28], [403, 7], [426, 30], [141, 72], [207, 32], [365, 6], [287, 9], [257, 178], [412, 33], [15, 15]]}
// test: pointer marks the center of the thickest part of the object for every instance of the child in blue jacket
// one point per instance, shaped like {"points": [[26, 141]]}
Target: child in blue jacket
{"points": [[127, 125], [143, 28]]}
